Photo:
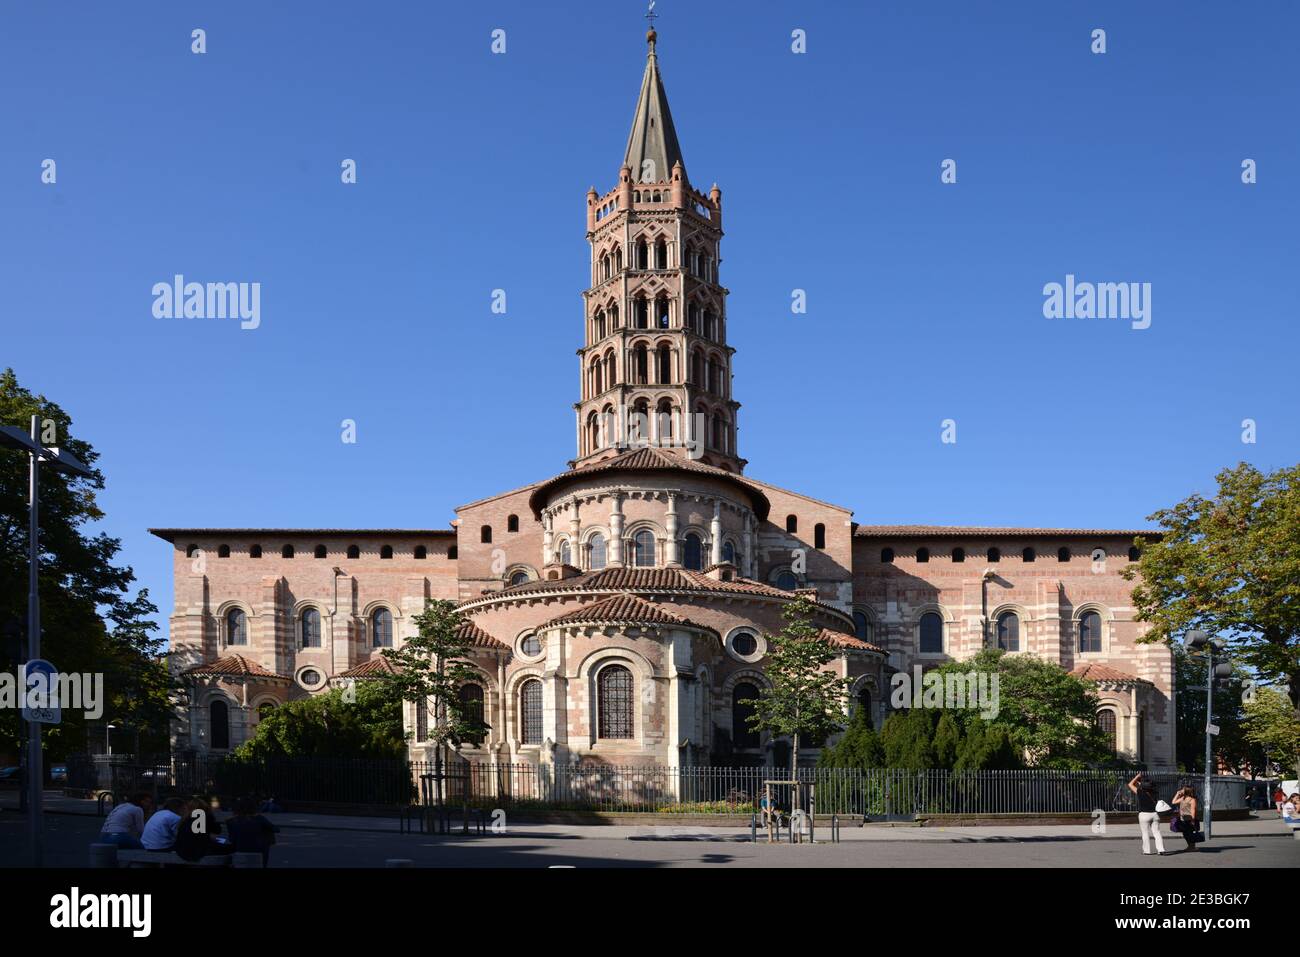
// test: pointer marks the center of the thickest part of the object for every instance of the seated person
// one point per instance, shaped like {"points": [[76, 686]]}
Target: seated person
{"points": [[250, 831], [1291, 811], [196, 835], [125, 823], [160, 831]]}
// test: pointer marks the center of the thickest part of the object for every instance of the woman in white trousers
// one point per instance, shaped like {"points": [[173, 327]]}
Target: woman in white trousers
{"points": [[1148, 819]]}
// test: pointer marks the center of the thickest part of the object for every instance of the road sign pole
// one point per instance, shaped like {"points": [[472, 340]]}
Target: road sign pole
{"points": [[35, 772]]}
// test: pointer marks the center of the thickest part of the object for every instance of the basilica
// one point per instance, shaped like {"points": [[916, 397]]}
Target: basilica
{"points": [[618, 611]]}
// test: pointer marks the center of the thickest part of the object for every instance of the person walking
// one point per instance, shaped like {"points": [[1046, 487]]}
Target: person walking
{"points": [[1188, 815], [1148, 819]]}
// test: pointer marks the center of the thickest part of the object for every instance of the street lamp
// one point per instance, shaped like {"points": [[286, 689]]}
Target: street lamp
{"points": [[1199, 642], [108, 743], [61, 460]]}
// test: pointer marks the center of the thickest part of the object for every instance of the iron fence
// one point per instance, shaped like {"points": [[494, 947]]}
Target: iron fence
{"points": [[876, 793]]}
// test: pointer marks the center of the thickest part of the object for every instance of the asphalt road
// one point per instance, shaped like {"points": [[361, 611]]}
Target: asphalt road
{"points": [[68, 836]]}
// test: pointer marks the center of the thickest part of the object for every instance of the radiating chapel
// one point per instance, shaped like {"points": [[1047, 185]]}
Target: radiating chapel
{"points": [[618, 610]]}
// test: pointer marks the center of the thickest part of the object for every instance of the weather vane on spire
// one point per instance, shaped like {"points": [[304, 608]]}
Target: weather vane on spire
{"points": [[650, 14]]}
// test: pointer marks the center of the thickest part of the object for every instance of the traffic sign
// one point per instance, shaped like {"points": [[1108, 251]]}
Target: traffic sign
{"points": [[40, 678]]}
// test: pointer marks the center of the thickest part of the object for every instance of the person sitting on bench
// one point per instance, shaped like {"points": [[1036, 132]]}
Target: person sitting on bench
{"points": [[195, 838], [125, 823], [160, 831]]}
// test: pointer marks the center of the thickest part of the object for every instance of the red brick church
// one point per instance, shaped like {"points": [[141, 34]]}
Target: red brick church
{"points": [[618, 610]]}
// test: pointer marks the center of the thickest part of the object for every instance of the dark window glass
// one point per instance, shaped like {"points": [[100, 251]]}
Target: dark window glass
{"points": [[729, 552], [1090, 631], [994, 555], [219, 721], [485, 534], [1028, 555], [311, 628], [452, 552], [791, 524], [742, 735], [819, 536], [744, 644], [864, 702], [255, 551], [931, 633], [386, 551], [518, 578], [223, 551], [614, 691], [422, 721], [286, 552], [512, 523], [236, 628], [354, 551], [381, 628], [1009, 631], [923, 555], [1062, 554], [530, 711], [643, 548], [471, 704], [862, 626], [886, 556], [787, 581], [959, 555], [694, 552], [531, 646], [1134, 553], [598, 554], [320, 551], [1106, 721], [421, 552]]}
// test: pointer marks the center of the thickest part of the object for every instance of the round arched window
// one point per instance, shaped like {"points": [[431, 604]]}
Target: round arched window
{"points": [[787, 581], [531, 646], [310, 678], [745, 644]]}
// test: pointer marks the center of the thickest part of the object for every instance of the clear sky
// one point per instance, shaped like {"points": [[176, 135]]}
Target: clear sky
{"points": [[925, 300]]}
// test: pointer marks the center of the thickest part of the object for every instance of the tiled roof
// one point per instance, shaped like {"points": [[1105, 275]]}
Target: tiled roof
{"points": [[378, 665], [478, 637], [171, 534], [640, 579], [650, 459], [842, 640], [975, 531], [624, 609], [232, 666], [1099, 673]]}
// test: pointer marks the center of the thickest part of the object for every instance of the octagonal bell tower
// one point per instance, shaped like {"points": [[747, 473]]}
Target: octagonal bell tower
{"points": [[655, 365]]}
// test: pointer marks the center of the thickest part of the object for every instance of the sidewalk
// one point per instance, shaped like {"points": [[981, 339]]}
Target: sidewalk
{"points": [[1266, 826]]}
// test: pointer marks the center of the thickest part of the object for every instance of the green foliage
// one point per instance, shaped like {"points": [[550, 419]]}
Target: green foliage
{"points": [[1047, 713], [1231, 746], [859, 746], [908, 739], [431, 667], [1272, 723], [802, 697], [986, 746], [326, 725], [79, 587], [947, 741], [1230, 565]]}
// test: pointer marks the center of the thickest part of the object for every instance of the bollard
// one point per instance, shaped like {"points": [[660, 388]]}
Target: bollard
{"points": [[399, 862], [103, 855], [246, 859], [753, 829]]}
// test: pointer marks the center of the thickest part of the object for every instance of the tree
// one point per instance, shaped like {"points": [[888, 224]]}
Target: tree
{"points": [[79, 583], [1271, 723], [801, 697], [1230, 565], [366, 725], [1231, 746], [859, 747], [908, 739], [1048, 714], [947, 741], [429, 670]]}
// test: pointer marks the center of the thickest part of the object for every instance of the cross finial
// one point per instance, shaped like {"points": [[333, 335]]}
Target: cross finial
{"points": [[650, 14]]}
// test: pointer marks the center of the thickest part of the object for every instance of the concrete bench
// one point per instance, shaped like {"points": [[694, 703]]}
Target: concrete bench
{"points": [[110, 855]]}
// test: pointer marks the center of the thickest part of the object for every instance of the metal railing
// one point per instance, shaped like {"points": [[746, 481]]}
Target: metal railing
{"points": [[876, 793]]}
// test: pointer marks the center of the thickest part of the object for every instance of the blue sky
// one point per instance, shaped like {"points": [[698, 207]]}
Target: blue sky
{"points": [[924, 300]]}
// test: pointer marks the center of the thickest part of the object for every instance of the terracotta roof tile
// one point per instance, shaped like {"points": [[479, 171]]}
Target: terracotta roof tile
{"points": [[624, 609], [640, 579], [840, 639], [1099, 673], [478, 637], [378, 665], [232, 666], [976, 531], [650, 459]]}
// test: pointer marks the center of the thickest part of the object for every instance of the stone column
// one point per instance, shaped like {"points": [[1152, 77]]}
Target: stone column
{"points": [[575, 526], [715, 532], [671, 555], [616, 532], [747, 560], [548, 537], [555, 718]]}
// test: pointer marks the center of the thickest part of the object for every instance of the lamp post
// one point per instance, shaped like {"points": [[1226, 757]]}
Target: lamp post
{"points": [[108, 743], [1198, 641], [60, 460]]}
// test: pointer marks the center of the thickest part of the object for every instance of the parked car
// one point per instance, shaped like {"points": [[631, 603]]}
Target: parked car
{"points": [[58, 774], [11, 775]]}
